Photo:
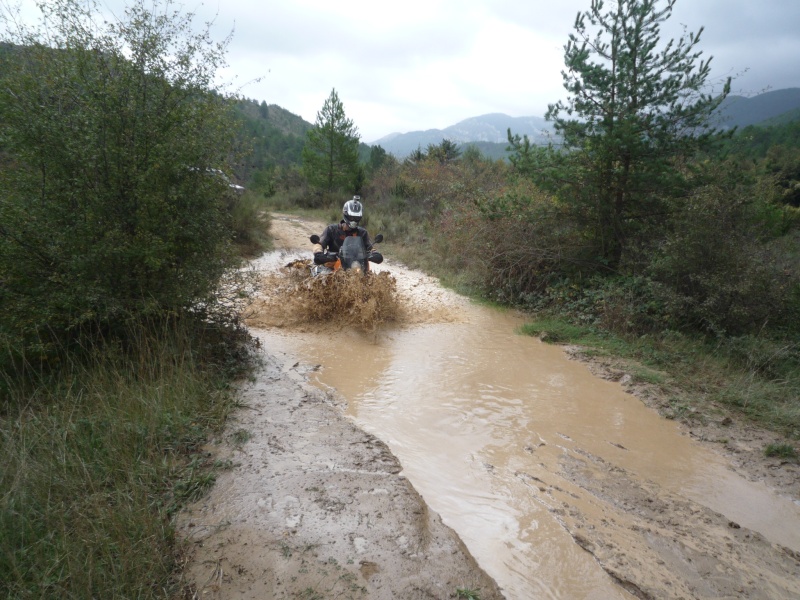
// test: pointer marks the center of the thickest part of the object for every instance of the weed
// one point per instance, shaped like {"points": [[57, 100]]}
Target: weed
{"points": [[645, 375], [286, 550], [97, 458], [311, 594], [785, 451], [240, 437], [468, 594], [555, 331], [194, 486]]}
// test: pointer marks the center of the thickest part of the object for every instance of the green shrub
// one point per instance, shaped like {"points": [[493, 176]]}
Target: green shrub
{"points": [[785, 451], [725, 268], [110, 203], [250, 224]]}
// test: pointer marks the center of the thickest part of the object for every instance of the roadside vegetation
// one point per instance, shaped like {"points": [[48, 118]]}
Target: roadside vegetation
{"points": [[120, 239]]}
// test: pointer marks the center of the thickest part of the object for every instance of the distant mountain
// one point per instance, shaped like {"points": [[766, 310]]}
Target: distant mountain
{"points": [[490, 128], [736, 111], [740, 111]]}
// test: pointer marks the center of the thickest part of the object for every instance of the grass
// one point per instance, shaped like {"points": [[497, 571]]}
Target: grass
{"points": [[240, 437], [97, 460], [784, 451], [251, 220]]}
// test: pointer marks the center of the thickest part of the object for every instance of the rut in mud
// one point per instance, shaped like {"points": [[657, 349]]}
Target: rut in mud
{"points": [[560, 484]]}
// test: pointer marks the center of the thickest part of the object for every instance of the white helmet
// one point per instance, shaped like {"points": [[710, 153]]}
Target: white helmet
{"points": [[352, 211]]}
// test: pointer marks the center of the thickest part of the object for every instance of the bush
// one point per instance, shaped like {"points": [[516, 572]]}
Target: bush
{"points": [[250, 224], [725, 268], [109, 203], [526, 241]]}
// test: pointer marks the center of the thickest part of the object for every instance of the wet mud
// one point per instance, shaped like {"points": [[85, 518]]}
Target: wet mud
{"points": [[313, 507], [559, 481]]}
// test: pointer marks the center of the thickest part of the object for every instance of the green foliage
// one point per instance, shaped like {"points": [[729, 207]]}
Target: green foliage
{"points": [[443, 153], [378, 159], [110, 204], [784, 451], [555, 331], [725, 267], [272, 136], [250, 222], [634, 114], [330, 154], [97, 459], [755, 141], [773, 152]]}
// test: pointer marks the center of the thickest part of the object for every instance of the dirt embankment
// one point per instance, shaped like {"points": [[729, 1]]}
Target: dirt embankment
{"points": [[314, 508]]}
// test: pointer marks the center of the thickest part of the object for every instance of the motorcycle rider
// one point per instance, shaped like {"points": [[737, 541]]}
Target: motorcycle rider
{"points": [[331, 240]]}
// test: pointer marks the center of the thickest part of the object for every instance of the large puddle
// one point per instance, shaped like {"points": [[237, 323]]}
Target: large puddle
{"points": [[478, 415]]}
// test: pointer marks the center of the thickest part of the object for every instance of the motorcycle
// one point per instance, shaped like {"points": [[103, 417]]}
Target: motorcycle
{"points": [[352, 255]]}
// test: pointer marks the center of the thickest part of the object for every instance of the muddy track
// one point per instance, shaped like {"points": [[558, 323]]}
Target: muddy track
{"points": [[313, 507]]}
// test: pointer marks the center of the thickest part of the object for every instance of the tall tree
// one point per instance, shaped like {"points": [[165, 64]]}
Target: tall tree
{"points": [[330, 155], [377, 157], [636, 110]]}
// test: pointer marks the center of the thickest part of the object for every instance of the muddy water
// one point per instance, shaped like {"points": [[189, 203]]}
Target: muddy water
{"points": [[478, 415]]}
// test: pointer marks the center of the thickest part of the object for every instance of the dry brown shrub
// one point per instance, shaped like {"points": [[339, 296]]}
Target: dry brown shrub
{"points": [[345, 299]]}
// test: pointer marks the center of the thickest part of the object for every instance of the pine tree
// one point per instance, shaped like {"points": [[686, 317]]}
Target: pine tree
{"points": [[636, 111], [330, 155]]}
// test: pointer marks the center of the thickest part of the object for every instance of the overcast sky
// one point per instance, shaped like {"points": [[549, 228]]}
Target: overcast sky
{"points": [[421, 64]]}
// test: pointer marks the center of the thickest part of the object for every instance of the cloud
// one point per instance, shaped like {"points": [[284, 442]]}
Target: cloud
{"points": [[422, 64]]}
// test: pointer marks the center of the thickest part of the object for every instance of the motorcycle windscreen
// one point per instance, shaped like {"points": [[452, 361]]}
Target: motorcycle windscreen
{"points": [[353, 253]]}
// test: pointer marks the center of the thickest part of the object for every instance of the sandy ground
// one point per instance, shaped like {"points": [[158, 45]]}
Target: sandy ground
{"points": [[315, 508]]}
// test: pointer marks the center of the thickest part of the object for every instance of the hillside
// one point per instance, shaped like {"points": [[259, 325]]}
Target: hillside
{"points": [[275, 135], [490, 128], [740, 111], [275, 117]]}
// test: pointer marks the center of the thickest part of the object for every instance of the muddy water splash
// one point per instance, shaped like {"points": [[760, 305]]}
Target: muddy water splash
{"points": [[519, 450]]}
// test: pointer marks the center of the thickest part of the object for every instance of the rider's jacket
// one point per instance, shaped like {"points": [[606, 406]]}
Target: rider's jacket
{"points": [[332, 238]]}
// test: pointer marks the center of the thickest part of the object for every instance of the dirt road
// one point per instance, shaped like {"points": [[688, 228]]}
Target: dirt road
{"points": [[315, 508]]}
